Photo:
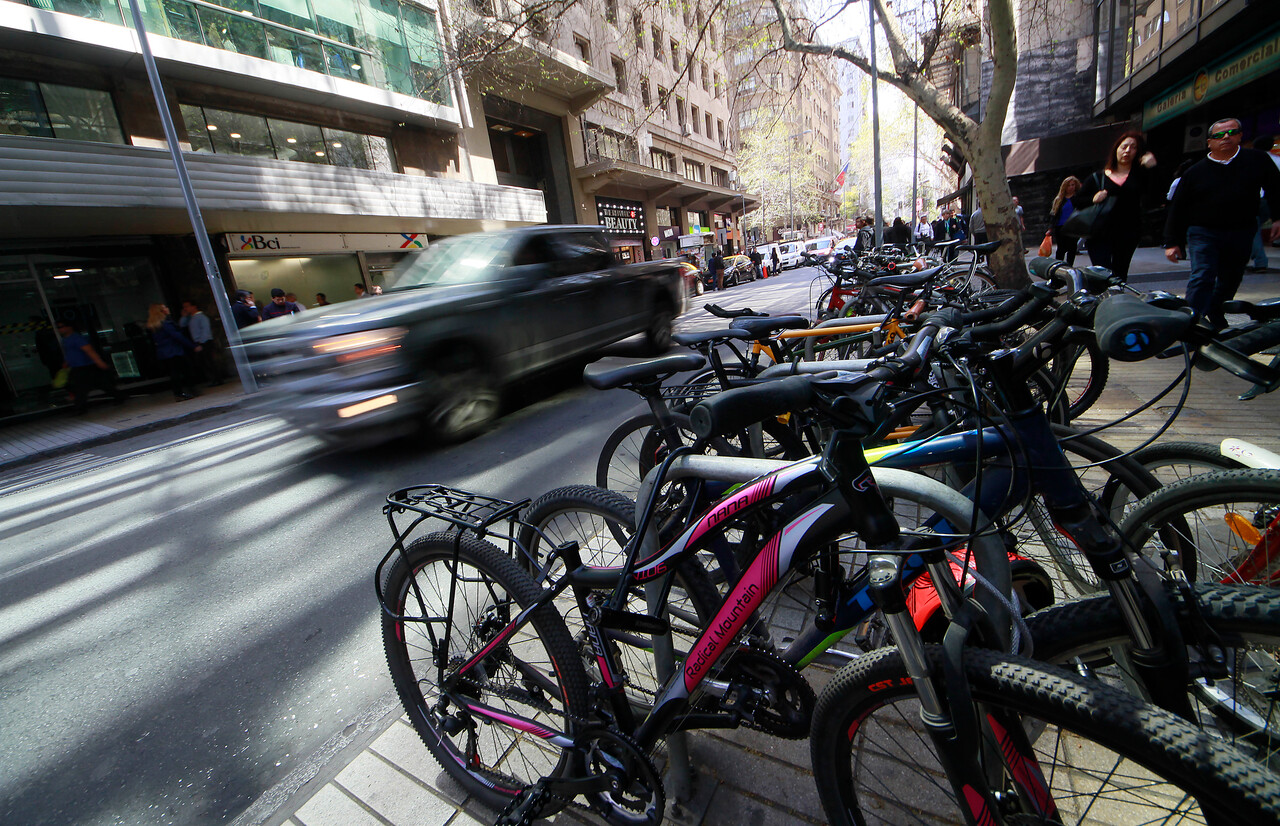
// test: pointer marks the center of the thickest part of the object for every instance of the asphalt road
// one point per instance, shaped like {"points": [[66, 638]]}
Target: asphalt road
{"points": [[188, 617]]}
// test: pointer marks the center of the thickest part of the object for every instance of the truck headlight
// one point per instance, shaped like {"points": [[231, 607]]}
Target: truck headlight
{"points": [[358, 346]]}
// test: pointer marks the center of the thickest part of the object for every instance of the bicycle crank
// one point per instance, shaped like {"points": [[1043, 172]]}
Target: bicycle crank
{"points": [[763, 692]]}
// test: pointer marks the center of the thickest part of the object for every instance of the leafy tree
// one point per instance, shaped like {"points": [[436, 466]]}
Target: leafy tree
{"points": [[912, 62]]}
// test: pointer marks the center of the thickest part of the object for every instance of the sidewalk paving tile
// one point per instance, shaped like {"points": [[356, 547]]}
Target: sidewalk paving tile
{"points": [[390, 792], [332, 807]]}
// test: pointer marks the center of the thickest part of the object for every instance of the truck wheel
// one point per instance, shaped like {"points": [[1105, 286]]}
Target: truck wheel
{"points": [[658, 335], [466, 401]]}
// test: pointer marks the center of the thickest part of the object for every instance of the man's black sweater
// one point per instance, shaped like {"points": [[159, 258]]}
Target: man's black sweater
{"points": [[1222, 195]]}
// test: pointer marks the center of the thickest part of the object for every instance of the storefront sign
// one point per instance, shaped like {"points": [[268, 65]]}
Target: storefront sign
{"points": [[253, 245], [698, 240], [1249, 63], [621, 219]]}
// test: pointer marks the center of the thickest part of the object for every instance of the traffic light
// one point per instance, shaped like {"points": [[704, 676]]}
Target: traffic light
{"points": [[952, 157]]}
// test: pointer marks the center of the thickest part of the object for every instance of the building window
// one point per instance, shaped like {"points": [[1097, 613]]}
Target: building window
{"points": [[619, 75], [637, 25], [720, 132], [611, 11], [708, 124], [720, 177], [665, 216], [718, 87], [657, 42], [706, 78], [49, 110], [601, 143], [680, 113], [666, 161], [694, 111], [644, 94], [583, 47], [238, 133], [388, 44], [675, 55], [694, 171]]}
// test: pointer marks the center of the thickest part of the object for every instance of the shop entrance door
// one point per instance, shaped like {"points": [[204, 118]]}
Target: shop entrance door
{"points": [[30, 351]]}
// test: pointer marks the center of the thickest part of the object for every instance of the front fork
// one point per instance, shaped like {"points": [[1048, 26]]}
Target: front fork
{"points": [[1158, 653], [998, 756]]}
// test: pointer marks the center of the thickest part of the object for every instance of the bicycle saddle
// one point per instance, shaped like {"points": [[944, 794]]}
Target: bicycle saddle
{"points": [[717, 310], [1266, 310], [693, 339], [606, 376], [905, 279], [990, 246], [764, 327]]}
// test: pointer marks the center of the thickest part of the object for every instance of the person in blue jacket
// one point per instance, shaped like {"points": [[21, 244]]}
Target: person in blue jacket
{"points": [[173, 350]]}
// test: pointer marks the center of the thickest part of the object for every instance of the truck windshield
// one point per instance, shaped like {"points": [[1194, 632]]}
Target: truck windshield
{"points": [[463, 259]]}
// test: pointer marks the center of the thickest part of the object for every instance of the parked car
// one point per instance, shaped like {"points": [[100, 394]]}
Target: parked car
{"points": [[819, 249], [457, 324], [693, 279], [738, 270], [789, 254]]}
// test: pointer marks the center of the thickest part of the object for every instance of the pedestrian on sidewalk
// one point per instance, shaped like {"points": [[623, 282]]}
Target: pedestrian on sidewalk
{"points": [[200, 330], [1264, 143], [756, 260], [774, 268], [173, 350], [715, 267], [978, 226], [923, 233], [243, 311], [1213, 217], [1114, 236], [87, 370], [280, 305], [1058, 215]]}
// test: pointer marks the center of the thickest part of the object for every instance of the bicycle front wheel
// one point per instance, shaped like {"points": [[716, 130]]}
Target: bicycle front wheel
{"points": [[1224, 526], [1103, 754], [1237, 701], [449, 604]]}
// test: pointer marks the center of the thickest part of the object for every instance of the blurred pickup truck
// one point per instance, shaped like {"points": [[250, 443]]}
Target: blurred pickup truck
{"points": [[456, 325]]}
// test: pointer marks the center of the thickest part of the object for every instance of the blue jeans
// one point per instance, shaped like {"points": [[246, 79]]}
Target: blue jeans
{"points": [[1259, 251], [1218, 258]]}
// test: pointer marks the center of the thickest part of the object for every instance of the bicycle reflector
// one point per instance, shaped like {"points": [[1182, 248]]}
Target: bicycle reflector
{"points": [[1129, 329]]}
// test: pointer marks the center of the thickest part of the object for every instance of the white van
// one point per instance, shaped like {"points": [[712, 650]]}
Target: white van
{"points": [[789, 254]]}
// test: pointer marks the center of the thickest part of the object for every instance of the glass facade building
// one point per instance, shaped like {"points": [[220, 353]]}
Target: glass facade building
{"points": [[387, 44]]}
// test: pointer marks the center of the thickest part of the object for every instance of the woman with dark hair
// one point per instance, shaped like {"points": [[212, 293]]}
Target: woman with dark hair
{"points": [[1058, 215], [899, 233], [1114, 236], [172, 349]]}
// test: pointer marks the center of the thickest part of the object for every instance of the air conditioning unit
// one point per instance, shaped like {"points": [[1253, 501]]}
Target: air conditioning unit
{"points": [[1193, 137], [685, 130]]}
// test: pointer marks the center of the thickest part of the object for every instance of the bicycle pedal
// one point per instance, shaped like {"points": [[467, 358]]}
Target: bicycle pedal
{"points": [[626, 621], [525, 807]]}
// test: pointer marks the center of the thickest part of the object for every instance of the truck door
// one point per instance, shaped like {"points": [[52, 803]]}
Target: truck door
{"points": [[608, 294]]}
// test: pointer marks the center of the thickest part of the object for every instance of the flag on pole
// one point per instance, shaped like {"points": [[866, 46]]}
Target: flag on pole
{"points": [[840, 178]]}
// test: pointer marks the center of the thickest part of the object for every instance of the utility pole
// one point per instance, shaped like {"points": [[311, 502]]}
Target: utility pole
{"points": [[193, 208], [875, 127]]}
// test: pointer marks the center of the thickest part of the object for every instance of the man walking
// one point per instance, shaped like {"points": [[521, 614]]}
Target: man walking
{"points": [[978, 226], [715, 266], [200, 331], [1213, 217], [87, 370]]}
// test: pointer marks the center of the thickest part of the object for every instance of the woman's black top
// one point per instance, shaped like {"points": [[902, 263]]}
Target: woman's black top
{"points": [[1124, 216]]}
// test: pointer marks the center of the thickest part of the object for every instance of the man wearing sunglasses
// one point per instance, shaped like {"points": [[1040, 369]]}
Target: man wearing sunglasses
{"points": [[1213, 217]]}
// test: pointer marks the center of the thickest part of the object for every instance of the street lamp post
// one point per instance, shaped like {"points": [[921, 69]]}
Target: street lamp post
{"points": [[875, 127]]}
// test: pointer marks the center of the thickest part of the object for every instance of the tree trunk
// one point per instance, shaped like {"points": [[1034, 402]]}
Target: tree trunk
{"points": [[1008, 263]]}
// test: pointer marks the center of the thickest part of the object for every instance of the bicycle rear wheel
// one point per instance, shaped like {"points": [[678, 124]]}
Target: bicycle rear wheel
{"points": [[1104, 754], [451, 603]]}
